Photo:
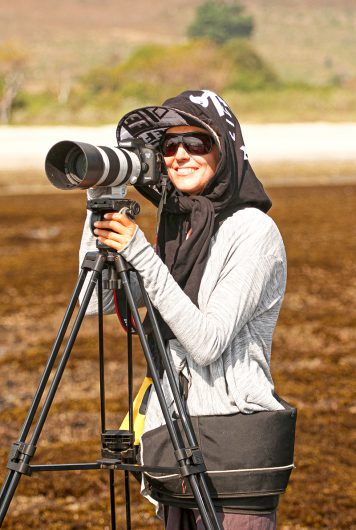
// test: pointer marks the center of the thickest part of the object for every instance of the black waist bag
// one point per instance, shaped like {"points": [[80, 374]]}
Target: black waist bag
{"points": [[249, 459]]}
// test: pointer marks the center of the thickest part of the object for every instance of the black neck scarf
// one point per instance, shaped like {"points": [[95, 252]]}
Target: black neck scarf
{"points": [[234, 186]]}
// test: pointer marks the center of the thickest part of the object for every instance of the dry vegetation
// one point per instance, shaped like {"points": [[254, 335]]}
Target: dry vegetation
{"points": [[312, 364], [73, 49], [312, 41]]}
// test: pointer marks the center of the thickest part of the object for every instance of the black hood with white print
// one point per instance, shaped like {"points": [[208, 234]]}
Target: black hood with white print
{"points": [[234, 186]]}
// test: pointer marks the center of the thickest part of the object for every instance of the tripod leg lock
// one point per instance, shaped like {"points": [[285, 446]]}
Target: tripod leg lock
{"points": [[190, 461], [112, 281], [20, 454]]}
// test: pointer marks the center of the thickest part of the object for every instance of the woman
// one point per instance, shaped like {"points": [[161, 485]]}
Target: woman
{"points": [[218, 275]]}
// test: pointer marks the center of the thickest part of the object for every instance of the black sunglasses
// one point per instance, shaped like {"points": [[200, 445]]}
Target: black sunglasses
{"points": [[195, 143]]}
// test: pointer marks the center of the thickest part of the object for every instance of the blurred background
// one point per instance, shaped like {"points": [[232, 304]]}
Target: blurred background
{"points": [[80, 62], [70, 70]]}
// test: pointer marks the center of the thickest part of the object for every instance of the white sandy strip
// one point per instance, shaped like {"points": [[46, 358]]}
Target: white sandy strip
{"points": [[26, 147], [308, 142]]}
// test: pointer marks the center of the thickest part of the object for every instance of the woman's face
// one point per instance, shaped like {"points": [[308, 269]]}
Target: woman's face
{"points": [[191, 173]]}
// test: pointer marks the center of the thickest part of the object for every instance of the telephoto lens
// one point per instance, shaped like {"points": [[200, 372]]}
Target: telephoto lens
{"points": [[72, 165]]}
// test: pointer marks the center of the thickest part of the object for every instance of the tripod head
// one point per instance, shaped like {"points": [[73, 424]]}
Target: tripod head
{"points": [[99, 207], [107, 204], [114, 201]]}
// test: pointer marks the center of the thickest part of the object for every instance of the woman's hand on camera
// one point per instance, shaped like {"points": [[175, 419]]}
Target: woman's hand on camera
{"points": [[116, 231]]}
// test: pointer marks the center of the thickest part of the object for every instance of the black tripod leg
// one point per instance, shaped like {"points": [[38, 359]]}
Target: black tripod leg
{"points": [[65, 356], [112, 498], [211, 522], [47, 371], [188, 428], [127, 500], [101, 354], [29, 450], [130, 409]]}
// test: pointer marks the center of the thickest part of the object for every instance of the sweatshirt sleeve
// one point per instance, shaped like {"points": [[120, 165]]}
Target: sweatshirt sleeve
{"points": [[250, 279]]}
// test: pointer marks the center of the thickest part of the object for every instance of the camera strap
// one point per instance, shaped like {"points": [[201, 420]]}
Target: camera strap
{"points": [[163, 199], [120, 303]]}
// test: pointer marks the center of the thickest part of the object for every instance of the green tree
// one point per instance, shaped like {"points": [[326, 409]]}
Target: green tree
{"points": [[220, 21]]}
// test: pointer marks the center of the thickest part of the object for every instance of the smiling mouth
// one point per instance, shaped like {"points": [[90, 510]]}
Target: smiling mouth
{"points": [[185, 170]]}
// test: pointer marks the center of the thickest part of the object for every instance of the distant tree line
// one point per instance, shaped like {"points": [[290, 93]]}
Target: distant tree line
{"points": [[218, 40]]}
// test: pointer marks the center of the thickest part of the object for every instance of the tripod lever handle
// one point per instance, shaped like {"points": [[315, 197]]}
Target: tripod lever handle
{"points": [[190, 461], [20, 454]]}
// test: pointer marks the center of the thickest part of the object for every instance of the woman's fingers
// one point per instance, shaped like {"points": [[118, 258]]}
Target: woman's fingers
{"points": [[111, 243], [111, 235], [116, 230], [112, 225], [117, 222], [112, 239], [116, 216]]}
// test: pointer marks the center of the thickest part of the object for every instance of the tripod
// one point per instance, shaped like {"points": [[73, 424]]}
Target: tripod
{"points": [[118, 451]]}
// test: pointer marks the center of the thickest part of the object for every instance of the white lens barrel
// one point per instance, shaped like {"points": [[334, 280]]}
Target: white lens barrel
{"points": [[72, 165], [130, 166], [106, 162]]}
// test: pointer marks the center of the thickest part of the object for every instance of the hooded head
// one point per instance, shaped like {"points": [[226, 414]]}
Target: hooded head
{"points": [[234, 185]]}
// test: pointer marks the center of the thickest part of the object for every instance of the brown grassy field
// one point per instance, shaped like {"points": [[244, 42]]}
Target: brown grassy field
{"points": [[313, 357]]}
